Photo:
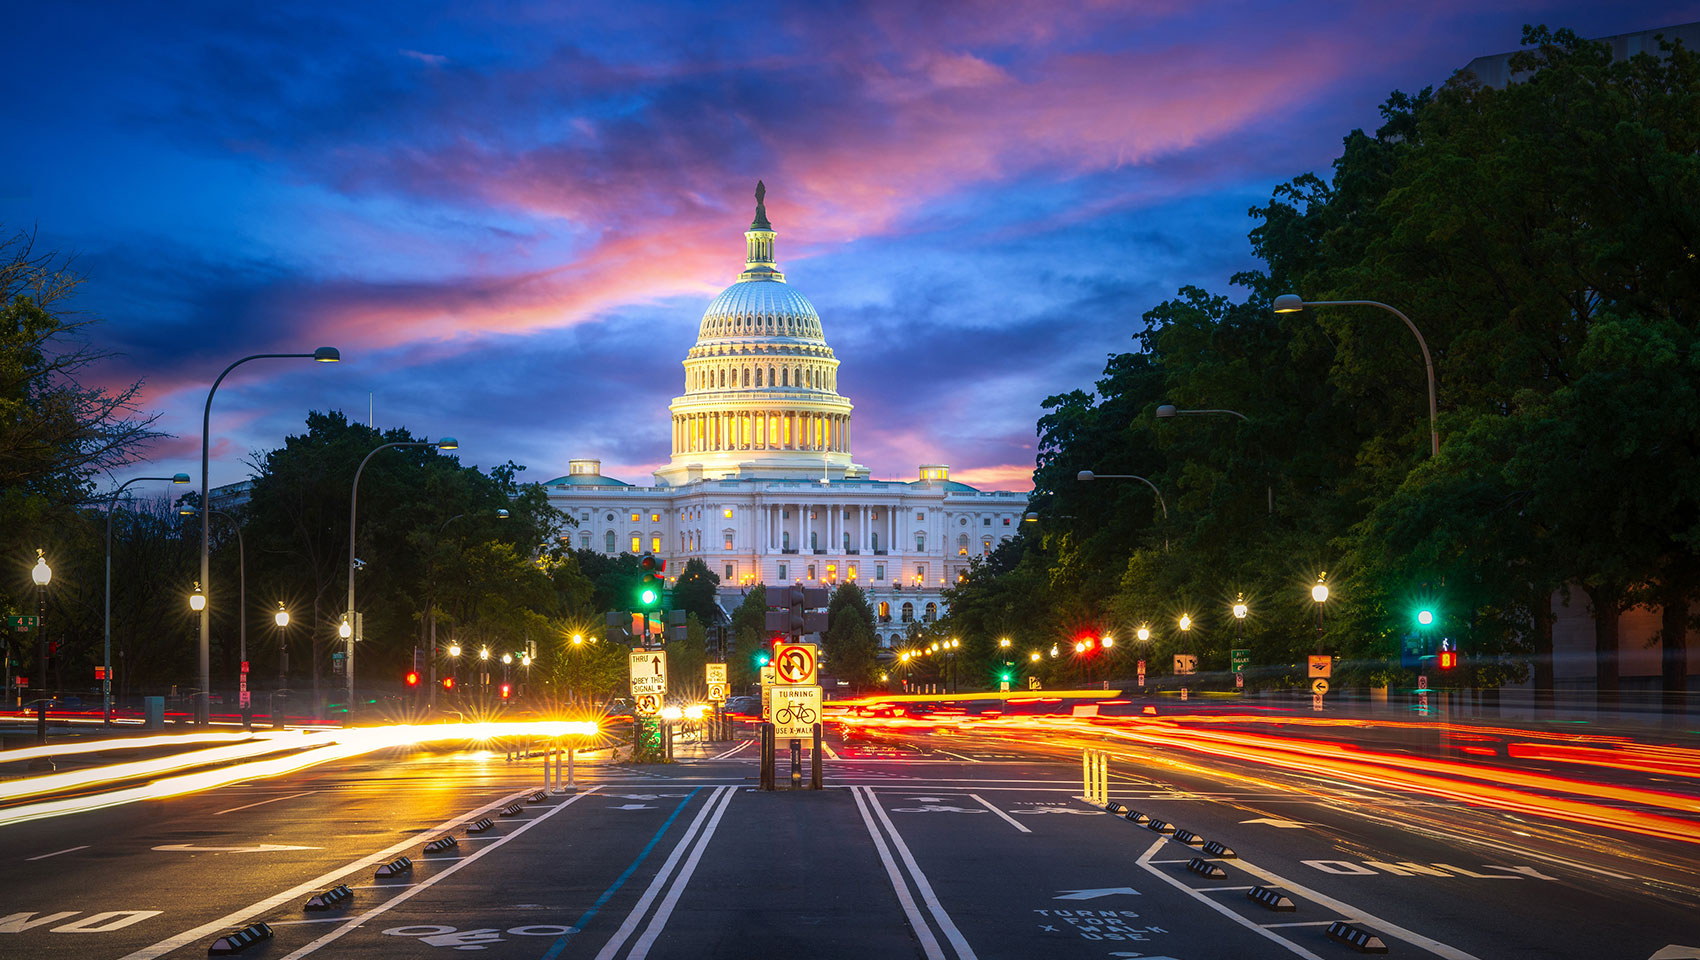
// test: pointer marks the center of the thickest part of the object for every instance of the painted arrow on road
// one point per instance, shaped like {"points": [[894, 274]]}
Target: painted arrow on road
{"points": [[1674, 952], [1095, 894], [256, 848], [1279, 823], [632, 806]]}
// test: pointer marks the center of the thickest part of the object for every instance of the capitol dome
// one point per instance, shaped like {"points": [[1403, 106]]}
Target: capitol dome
{"points": [[761, 385]]}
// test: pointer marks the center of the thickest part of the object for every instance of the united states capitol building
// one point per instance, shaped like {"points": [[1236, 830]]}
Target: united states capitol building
{"points": [[762, 484]]}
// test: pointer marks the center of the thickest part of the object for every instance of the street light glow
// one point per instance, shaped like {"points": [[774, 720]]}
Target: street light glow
{"points": [[281, 617], [1425, 617], [507, 658], [1109, 641], [345, 629], [197, 599], [454, 649], [1185, 622], [1144, 633], [1319, 592], [1240, 609], [1034, 656], [41, 573]]}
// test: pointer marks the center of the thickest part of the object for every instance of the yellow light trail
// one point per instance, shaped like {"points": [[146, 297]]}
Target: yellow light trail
{"points": [[109, 744]]}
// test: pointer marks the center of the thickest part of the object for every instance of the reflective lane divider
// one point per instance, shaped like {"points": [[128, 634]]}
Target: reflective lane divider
{"points": [[1205, 868], [513, 809], [1189, 838], [330, 899], [395, 868], [442, 843], [1160, 826], [1136, 818], [480, 825], [537, 796], [1114, 807], [1357, 938], [1265, 897], [1218, 850], [238, 940]]}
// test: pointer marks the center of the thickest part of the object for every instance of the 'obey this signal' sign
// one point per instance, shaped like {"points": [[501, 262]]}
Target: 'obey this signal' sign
{"points": [[795, 664], [649, 673]]}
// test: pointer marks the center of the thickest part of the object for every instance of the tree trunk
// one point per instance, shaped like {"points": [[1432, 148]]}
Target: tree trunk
{"points": [[1673, 637], [1607, 612], [1541, 609]]}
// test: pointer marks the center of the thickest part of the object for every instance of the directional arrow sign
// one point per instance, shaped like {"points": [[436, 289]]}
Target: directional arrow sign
{"points": [[256, 848], [1278, 822], [1096, 893]]}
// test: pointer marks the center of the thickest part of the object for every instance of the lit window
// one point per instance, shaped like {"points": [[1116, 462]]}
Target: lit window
{"points": [[811, 571], [655, 518], [1006, 521], [728, 541], [655, 544], [832, 571], [852, 571], [920, 517], [728, 513], [920, 573], [885, 610], [637, 543], [634, 518]]}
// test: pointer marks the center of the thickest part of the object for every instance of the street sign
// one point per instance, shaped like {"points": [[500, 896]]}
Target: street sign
{"points": [[1186, 663], [1239, 681], [1240, 659], [717, 673], [649, 673], [717, 693], [796, 710], [648, 704], [1183, 693], [1319, 686], [1316, 701], [1422, 695], [1032, 683], [767, 682], [1322, 666], [21, 624], [1003, 686], [795, 664], [1142, 673], [100, 673]]}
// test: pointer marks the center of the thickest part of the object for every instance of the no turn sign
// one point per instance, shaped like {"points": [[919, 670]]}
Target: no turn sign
{"points": [[795, 664], [717, 693]]}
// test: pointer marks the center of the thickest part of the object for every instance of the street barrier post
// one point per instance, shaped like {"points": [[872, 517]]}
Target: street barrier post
{"points": [[814, 761], [767, 758]]}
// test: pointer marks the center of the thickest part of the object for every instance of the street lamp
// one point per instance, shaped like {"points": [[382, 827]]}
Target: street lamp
{"points": [[106, 646], [281, 618], [1293, 303], [321, 355], [1034, 656], [1319, 593], [1169, 411], [1143, 633], [241, 604], [1240, 609], [1185, 622], [578, 639], [42, 574], [1108, 641], [197, 599], [446, 443]]}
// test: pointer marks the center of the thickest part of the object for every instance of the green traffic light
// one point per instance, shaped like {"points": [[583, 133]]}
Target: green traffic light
{"points": [[647, 596], [1425, 617], [761, 660]]}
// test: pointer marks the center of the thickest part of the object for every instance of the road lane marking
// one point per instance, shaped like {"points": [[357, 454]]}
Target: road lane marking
{"points": [[620, 936], [657, 923], [1145, 862], [608, 894], [923, 887], [354, 923], [58, 852], [1007, 818], [264, 802], [311, 886], [728, 753], [917, 923], [1309, 923]]}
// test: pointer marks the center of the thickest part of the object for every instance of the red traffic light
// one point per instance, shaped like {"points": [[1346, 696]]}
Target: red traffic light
{"points": [[506, 690], [412, 678], [1448, 659], [448, 683]]}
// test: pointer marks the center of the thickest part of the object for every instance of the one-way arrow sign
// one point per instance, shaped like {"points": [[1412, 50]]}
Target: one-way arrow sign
{"points": [[1095, 894]]}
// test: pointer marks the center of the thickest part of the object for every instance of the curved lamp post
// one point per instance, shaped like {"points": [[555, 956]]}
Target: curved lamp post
{"points": [[1293, 303], [106, 647], [1169, 411], [1086, 475], [241, 603], [346, 628], [322, 355]]}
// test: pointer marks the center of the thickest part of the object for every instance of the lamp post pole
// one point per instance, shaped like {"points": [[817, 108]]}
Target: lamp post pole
{"points": [[106, 647], [202, 705], [446, 443], [281, 618], [244, 704], [42, 574], [1293, 303], [1086, 475]]}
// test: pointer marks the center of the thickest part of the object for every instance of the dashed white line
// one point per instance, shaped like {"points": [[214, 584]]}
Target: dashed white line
{"points": [[58, 852]]}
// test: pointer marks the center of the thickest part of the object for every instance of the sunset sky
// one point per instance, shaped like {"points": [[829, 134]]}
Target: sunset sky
{"points": [[509, 217]]}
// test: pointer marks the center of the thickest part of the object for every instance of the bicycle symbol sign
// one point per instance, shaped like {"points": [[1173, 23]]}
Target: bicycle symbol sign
{"points": [[795, 663], [796, 710]]}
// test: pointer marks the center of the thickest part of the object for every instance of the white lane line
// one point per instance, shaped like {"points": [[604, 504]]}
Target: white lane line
{"points": [[312, 886], [354, 923], [957, 756], [982, 801], [1145, 862], [917, 923], [640, 949], [1346, 910], [723, 755], [1221, 889], [58, 852], [264, 802], [620, 936], [963, 950], [831, 753], [1307, 923]]}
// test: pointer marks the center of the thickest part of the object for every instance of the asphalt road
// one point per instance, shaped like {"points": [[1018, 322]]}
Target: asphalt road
{"points": [[929, 846]]}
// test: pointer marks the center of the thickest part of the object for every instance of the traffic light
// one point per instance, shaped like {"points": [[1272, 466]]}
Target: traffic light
{"points": [[506, 691], [649, 588], [448, 683], [1446, 656], [412, 678], [763, 658], [790, 618]]}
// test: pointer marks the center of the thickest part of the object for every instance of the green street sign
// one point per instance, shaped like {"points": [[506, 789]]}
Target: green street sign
{"points": [[1241, 659], [21, 624]]}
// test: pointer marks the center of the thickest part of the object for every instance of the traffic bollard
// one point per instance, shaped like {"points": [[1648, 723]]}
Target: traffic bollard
{"points": [[814, 761], [796, 764], [767, 758]]}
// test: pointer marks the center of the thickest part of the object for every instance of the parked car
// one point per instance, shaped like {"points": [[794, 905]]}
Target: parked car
{"points": [[744, 706]]}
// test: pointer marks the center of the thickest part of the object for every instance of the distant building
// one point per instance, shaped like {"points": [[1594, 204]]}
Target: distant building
{"points": [[761, 484], [232, 496], [1495, 70]]}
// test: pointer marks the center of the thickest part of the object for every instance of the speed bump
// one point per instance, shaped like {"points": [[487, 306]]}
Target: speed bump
{"points": [[1355, 937], [480, 825], [238, 940], [395, 868], [442, 843], [334, 897], [1265, 897]]}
